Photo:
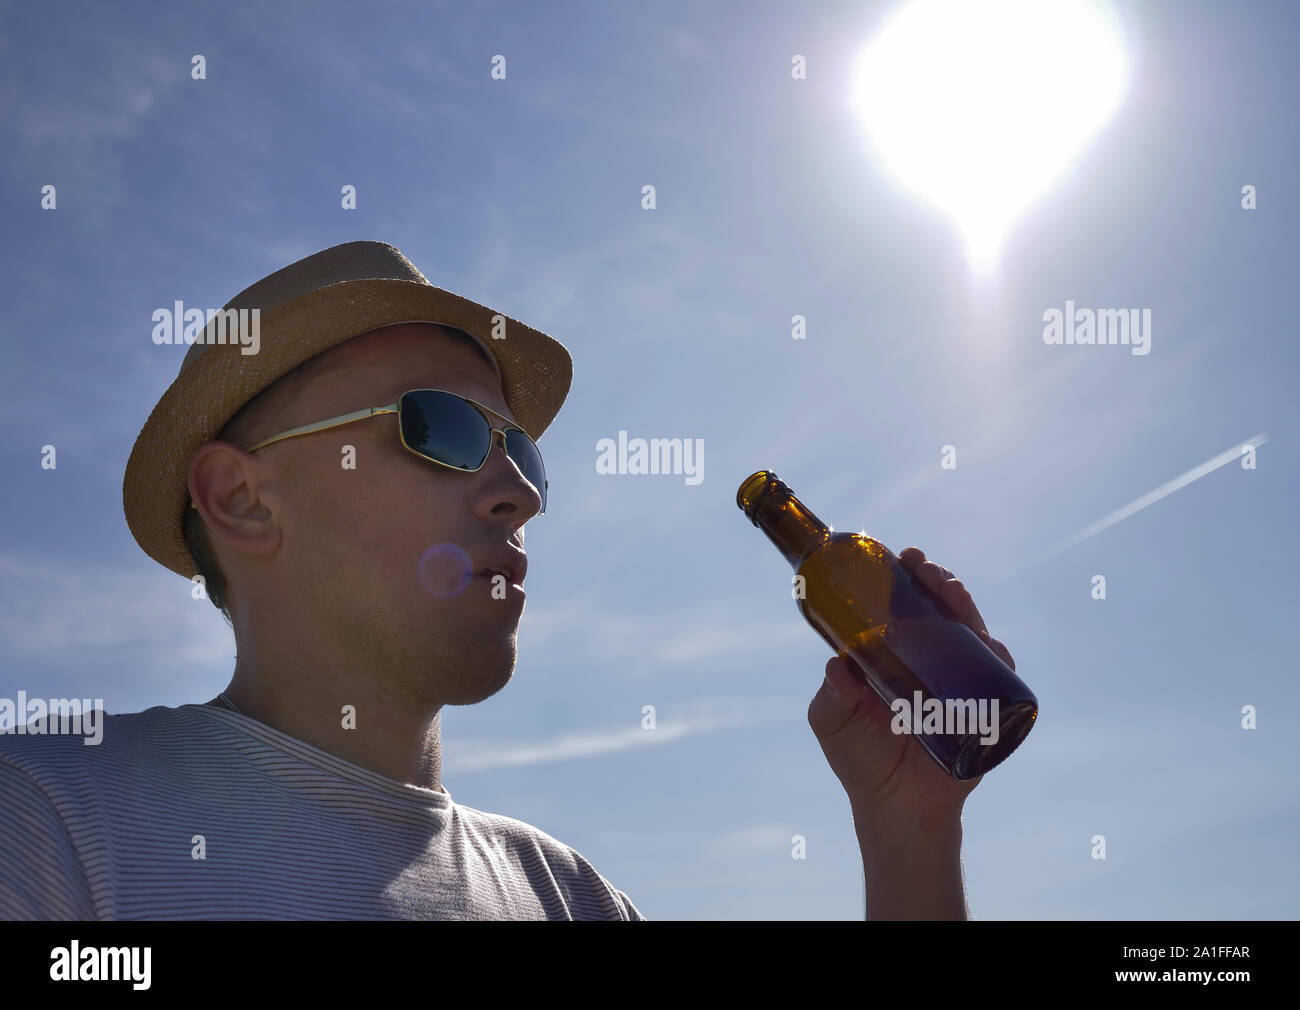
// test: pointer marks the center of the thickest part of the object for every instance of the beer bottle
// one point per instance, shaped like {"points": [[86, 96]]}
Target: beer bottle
{"points": [[966, 707]]}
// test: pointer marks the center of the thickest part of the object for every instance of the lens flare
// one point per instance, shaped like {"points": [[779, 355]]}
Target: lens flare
{"points": [[445, 570]]}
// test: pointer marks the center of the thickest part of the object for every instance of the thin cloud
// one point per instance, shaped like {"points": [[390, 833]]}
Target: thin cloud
{"points": [[761, 838], [74, 614], [482, 755], [76, 132], [1150, 498]]}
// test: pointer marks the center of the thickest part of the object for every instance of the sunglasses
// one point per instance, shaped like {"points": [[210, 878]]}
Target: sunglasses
{"points": [[444, 428]]}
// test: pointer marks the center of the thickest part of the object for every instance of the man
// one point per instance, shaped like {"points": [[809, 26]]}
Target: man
{"points": [[353, 496]]}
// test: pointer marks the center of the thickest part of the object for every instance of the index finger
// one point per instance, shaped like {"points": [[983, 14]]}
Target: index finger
{"points": [[910, 557]]}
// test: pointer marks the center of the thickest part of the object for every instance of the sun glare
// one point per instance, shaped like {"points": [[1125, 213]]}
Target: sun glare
{"points": [[980, 105]]}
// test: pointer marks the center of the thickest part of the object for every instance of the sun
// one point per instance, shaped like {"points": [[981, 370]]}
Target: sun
{"points": [[980, 105]]}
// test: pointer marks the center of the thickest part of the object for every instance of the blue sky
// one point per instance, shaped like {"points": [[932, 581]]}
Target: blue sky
{"points": [[525, 195]]}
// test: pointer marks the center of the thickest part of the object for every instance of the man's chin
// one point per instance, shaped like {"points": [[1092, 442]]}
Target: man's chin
{"points": [[466, 693], [478, 678]]}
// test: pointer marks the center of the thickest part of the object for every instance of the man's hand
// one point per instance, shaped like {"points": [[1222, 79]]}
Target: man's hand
{"points": [[905, 806]]}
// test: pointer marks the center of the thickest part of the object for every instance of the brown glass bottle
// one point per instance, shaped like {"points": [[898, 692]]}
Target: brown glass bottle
{"points": [[901, 639]]}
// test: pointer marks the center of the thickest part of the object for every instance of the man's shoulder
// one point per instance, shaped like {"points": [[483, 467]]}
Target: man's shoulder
{"points": [[510, 829], [53, 741], [589, 893]]}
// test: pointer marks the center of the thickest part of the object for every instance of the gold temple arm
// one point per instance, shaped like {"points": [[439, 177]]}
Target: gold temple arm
{"points": [[333, 422]]}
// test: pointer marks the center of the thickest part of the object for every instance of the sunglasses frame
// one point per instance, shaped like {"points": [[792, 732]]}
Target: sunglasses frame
{"points": [[395, 408]]}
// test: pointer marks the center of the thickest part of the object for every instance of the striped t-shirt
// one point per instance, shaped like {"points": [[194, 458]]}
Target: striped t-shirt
{"points": [[202, 813]]}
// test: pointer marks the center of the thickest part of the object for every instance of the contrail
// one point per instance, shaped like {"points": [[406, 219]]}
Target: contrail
{"points": [[1150, 498]]}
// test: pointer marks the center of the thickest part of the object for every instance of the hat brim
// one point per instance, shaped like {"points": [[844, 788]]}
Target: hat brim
{"points": [[536, 372]]}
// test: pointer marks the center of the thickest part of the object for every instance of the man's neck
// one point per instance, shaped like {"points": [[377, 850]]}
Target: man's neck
{"points": [[369, 727]]}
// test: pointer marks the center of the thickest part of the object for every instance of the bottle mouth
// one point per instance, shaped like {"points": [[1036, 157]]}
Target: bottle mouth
{"points": [[754, 489]]}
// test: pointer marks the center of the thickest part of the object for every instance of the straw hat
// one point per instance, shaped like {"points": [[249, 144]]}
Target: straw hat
{"points": [[307, 308]]}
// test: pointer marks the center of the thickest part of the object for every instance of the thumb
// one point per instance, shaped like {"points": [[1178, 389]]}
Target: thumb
{"points": [[841, 698]]}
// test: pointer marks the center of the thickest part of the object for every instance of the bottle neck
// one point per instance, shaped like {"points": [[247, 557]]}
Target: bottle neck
{"points": [[770, 504]]}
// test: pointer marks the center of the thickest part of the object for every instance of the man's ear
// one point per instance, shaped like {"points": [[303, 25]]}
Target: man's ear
{"points": [[227, 489]]}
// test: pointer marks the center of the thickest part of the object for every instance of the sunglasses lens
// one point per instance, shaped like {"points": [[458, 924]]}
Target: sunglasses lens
{"points": [[445, 428]]}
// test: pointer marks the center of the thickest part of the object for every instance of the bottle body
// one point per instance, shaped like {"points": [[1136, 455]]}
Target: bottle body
{"points": [[965, 706]]}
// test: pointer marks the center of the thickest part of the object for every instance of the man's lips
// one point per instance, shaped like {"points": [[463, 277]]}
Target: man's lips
{"points": [[513, 565], [493, 575]]}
